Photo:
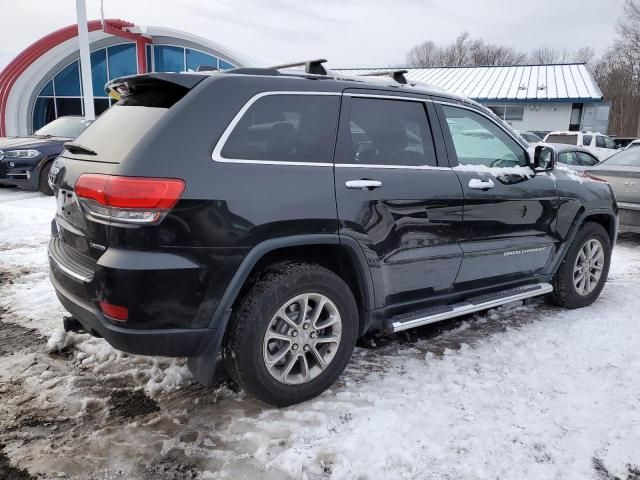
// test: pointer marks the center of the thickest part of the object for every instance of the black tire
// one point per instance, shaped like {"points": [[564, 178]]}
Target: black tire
{"points": [[269, 291], [43, 180], [565, 292]]}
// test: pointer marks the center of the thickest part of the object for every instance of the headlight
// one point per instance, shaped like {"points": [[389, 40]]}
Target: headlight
{"points": [[21, 153]]}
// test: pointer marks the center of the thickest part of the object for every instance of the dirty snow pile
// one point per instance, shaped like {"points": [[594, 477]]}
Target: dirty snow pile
{"points": [[524, 391], [25, 229]]}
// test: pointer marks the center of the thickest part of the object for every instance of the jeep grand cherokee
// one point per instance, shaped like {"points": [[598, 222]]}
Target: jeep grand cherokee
{"points": [[273, 216]]}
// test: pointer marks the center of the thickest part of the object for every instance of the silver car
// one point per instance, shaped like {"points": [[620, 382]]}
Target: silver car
{"points": [[622, 171]]}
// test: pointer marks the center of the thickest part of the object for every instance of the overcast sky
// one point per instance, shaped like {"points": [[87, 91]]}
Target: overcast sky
{"points": [[349, 33]]}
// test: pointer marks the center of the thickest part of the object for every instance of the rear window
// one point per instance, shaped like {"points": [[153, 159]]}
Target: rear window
{"points": [[586, 140], [286, 128], [562, 138], [114, 134]]}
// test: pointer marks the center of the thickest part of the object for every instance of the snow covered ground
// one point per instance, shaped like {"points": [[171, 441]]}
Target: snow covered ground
{"points": [[523, 391]]}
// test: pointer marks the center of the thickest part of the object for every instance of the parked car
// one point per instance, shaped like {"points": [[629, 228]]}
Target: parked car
{"points": [[598, 144], [622, 171], [632, 144], [574, 157], [540, 133], [274, 216], [531, 138], [622, 142], [25, 161]]}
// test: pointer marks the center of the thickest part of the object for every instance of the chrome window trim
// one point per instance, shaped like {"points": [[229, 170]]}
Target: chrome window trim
{"points": [[216, 155], [488, 117]]}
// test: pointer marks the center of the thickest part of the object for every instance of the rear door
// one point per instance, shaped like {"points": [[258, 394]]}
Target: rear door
{"points": [[605, 147], [509, 212], [394, 198]]}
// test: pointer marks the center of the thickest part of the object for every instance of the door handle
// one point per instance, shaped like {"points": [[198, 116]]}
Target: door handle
{"points": [[477, 184], [363, 184]]}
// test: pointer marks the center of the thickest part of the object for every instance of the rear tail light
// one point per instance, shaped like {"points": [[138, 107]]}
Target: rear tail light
{"points": [[115, 312], [593, 177], [135, 200]]}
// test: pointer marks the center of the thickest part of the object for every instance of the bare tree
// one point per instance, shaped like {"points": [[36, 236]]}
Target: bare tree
{"points": [[463, 51], [427, 54]]}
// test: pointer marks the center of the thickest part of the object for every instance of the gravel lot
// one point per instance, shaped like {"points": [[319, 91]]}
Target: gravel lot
{"points": [[523, 391]]}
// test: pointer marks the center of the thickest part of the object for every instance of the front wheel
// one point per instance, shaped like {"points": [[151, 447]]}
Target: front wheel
{"points": [[584, 270], [292, 334], [43, 180]]}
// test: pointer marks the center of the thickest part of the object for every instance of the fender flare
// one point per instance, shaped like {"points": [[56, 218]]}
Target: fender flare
{"points": [[263, 248], [580, 220]]}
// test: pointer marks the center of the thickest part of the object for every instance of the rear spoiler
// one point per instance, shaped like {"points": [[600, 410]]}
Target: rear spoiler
{"points": [[125, 86]]}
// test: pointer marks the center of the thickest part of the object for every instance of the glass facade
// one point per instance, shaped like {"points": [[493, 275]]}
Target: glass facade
{"points": [[62, 94]]}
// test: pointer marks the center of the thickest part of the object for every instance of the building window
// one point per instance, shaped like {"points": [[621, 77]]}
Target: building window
{"points": [[508, 113], [170, 58], [62, 95], [196, 58], [122, 60]]}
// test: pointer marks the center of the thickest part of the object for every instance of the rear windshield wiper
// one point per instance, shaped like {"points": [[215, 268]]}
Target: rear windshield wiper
{"points": [[77, 148]]}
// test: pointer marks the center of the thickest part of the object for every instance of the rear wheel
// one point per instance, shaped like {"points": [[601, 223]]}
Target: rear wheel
{"points": [[292, 334], [43, 180], [583, 272]]}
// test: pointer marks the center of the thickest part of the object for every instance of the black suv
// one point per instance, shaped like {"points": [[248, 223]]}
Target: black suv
{"points": [[271, 217]]}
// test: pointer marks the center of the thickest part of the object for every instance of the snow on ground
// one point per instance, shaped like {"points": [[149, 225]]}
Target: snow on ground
{"points": [[523, 391]]}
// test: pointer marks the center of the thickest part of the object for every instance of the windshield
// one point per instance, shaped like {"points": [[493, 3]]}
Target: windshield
{"points": [[629, 158], [531, 138], [69, 127]]}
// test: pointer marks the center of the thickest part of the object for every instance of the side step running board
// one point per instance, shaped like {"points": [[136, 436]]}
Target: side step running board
{"points": [[471, 305]]}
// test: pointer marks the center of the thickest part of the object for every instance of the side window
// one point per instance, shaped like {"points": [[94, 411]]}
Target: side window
{"points": [[600, 141], [587, 160], [567, 158], [479, 141], [390, 132], [286, 128], [586, 140], [608, 143]]}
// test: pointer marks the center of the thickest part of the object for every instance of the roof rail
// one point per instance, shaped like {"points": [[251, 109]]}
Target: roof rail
{"points": [[313, 67], [397, 75]]}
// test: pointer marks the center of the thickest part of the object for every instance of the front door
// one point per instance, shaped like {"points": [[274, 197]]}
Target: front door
{"points": [[394, 198], [509, 212]]}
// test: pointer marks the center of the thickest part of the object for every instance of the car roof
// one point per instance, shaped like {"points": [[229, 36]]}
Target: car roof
{"points": [[337, 80], [563, 147]]}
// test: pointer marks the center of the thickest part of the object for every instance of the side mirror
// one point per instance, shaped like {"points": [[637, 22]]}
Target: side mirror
{"points": [[544, 159]]}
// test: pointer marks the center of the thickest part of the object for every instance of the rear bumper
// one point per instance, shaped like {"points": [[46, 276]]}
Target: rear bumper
{"points": [[164, 342], [629, 215]]}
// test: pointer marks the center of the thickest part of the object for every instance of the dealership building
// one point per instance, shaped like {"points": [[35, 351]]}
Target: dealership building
{"points": [[529, 97], [44, 82]]}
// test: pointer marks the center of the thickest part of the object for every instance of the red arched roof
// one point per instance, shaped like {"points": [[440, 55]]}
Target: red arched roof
{"points": [[18, 65]]}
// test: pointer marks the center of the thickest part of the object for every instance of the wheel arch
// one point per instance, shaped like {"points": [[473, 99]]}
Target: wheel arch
{"points": [[338, 253], [605, 217], [330, 250]]}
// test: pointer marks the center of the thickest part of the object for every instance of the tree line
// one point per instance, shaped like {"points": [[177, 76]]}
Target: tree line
{"points": [[617, 70]]}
